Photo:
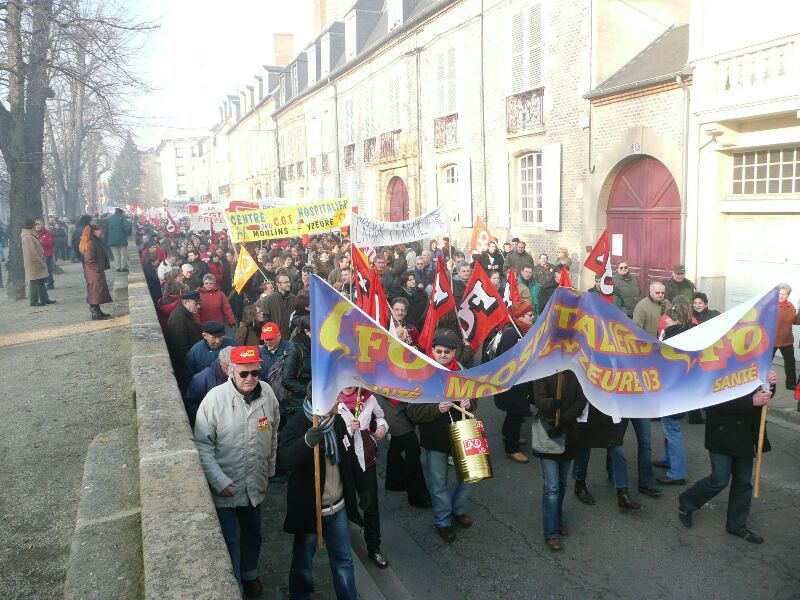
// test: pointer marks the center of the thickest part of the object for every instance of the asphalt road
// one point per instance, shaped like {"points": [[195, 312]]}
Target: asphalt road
{"points": [[64, 380], [607, 554]]}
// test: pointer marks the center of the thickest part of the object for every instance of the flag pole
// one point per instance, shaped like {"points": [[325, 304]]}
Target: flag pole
{"points": [[761, 430], [317, 490]]}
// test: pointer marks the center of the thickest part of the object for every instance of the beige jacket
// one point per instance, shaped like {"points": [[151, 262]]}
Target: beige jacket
{"points": [[33, 256]]}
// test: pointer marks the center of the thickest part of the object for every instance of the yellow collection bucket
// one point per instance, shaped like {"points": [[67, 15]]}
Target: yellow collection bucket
{"points": [[470, 451]]}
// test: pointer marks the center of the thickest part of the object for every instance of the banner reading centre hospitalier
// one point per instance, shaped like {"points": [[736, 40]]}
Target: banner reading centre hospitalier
{"points": [[623, 370], [288, 221]]}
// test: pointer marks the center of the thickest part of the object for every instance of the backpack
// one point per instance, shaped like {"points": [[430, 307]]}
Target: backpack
{"points": [[275, 380]]}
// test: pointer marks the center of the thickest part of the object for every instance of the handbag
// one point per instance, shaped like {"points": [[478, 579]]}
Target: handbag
{"points": [[546, 437], [544, 440]]}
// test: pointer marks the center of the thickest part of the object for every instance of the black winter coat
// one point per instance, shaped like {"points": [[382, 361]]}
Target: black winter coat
{"points": [[297, 372], [417, 306], [519, 398], [183, 332], [732, 427], [599, 431], [434, 426], [545, 293], [298, 458], [571, 405]]}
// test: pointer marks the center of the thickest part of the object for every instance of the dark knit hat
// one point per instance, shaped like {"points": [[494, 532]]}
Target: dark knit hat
{"points": [[193, 295], [214, 328], [446, 338]]}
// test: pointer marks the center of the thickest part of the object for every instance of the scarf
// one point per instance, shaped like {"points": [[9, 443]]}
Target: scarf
{"points": [[350, 400], [784, 304], [452, 365], [326, 425]]}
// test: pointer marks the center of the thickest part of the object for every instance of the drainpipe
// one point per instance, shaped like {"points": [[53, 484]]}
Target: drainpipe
{"points": [[483, 127], [684, 175]]}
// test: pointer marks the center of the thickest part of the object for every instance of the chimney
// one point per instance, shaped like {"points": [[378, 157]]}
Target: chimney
{"points": [[319, 16], [283, 44], [245, 107]]}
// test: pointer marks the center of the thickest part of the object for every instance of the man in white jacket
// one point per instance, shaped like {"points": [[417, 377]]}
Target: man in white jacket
{"points": [[236, 435]]}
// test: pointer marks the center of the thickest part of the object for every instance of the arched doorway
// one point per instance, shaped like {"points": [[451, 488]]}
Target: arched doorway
{"points": [[398, 199], [644, 207]]}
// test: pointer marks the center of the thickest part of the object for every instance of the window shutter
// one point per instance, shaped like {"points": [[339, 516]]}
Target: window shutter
{"points": [[451, 80], [502, 209], [464, 200], [534, 70], [517, 53], [551, 187], [441, 83]]}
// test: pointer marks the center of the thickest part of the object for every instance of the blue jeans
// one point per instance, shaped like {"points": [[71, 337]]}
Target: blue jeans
{"points": [[50, 281], [615, 463], [643, 439], [554, 474], [445, 500], [724, 468], [336, 532], [674, 456], [241, 528]]}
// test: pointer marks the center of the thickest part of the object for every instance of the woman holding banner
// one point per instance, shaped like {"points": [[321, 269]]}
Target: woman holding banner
{"points": [[517, 401]]}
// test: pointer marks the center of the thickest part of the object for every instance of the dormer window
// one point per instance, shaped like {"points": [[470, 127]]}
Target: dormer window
{"points": [[325, 56], [395, 14], [283, 89], [350, 47], [311, 53], [295, 86]]}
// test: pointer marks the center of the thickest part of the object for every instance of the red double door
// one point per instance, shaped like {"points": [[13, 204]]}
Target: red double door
{"points": [[645, 209]]}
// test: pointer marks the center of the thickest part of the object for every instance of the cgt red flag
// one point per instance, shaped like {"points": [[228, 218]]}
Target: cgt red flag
{"points": [[599, 261], [441, 303], [511, 293], [363, 280], [379, 309], [214, 239], [482, 309], [564, 280], [172, 226]]}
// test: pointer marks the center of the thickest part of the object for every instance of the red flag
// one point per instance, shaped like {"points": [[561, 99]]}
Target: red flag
{"points": [[482, 308], [213, 233], [172, 226], [380, 305], [362, 275], [480, 236], [599, 261], [565, 281], [511, 293], [441, 303]]}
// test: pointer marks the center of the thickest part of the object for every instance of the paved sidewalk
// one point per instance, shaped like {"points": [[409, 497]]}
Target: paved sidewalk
{"points": [[65, 379]]}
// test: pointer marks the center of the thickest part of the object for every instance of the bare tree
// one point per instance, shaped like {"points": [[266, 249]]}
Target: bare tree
{"points": [[75, 53]]}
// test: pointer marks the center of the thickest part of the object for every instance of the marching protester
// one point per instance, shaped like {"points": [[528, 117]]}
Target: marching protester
{"points": [[236, 436], [181, 334], [214, 305], [516, 402], [648, 311], [784, 340], [201, 383], [627, 288], [560, 401], [205, 352], [732, 432], [366, 426], [338, 491], [679, 285], [117, 229], [448, 502], [700, 311], [249, 332]]}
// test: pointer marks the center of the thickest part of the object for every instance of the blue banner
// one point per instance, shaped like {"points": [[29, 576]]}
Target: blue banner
{"points": [[624, 370]]}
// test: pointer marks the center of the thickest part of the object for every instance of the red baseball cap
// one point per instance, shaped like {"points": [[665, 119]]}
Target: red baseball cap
{"points": [[270, 331], [244, 355]]}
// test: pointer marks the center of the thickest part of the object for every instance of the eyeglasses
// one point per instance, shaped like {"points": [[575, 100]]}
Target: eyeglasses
{"points": [[244, 374], [448, 351], [621, 268]]}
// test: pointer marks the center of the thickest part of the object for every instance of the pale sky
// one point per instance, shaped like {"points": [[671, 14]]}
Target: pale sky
{"points": [[203, 51]]}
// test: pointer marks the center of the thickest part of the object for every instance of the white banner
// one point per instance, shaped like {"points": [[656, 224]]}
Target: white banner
{"points": [[201, 216], [369, 232]]}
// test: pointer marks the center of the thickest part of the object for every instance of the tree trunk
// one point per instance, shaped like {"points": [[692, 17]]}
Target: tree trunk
{"points": [[25, 141]]}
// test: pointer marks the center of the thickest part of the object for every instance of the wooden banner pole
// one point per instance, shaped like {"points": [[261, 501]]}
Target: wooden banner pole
{"points": [[761, 429], [317, 490]]}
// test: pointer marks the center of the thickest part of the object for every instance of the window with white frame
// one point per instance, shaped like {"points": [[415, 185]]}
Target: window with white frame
{"points": [[283, 89], [530, 188], [180, 170], [526, 48], [178, 152], [181, 190], [766, 171], [451, 174], [295, 86]]}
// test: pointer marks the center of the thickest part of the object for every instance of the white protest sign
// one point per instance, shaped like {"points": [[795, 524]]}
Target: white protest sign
{"points": [[369, 232]]}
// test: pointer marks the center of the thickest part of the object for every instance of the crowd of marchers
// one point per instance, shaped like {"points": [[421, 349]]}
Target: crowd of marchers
{"points": [[242, 360]]}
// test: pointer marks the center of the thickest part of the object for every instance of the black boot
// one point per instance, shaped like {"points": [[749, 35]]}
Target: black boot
{"points": [[583, 493], [97, 315], [626, 503]]}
